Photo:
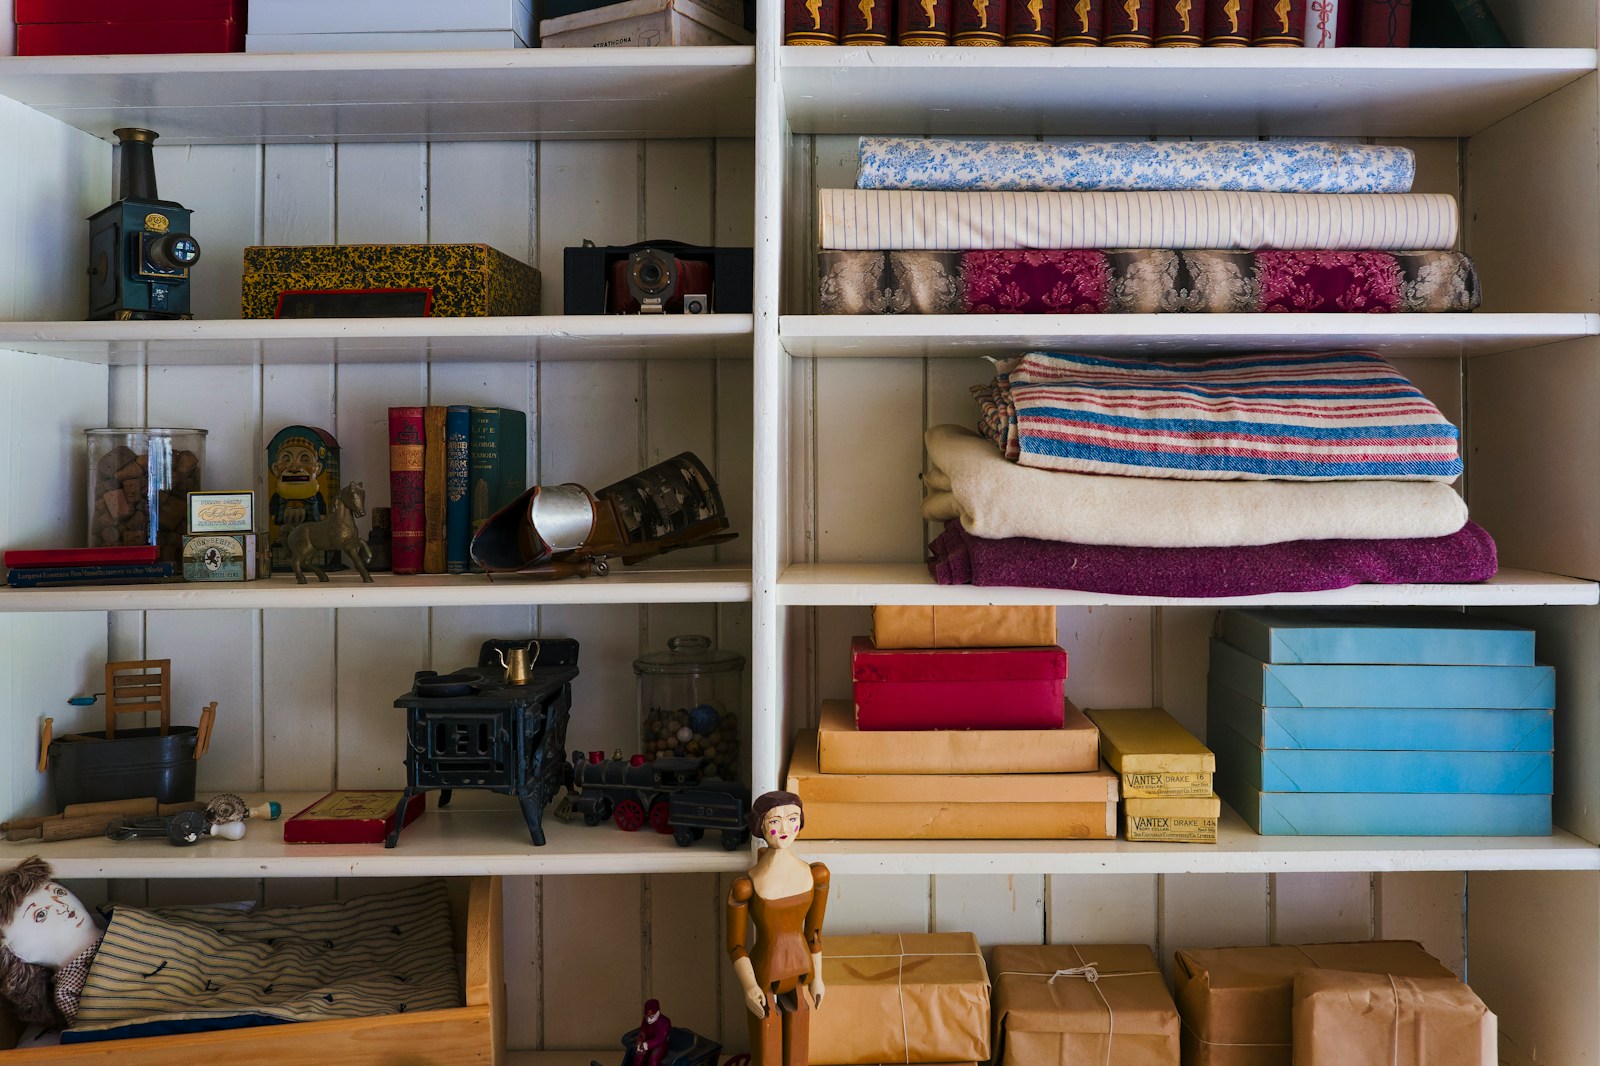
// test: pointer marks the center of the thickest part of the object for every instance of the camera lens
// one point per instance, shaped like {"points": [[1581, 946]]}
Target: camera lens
{"points": [[173, 252], [650, 274]]}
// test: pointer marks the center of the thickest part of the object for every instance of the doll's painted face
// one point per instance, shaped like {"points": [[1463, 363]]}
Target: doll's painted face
{"points": [[51, 927], [780, 826]]}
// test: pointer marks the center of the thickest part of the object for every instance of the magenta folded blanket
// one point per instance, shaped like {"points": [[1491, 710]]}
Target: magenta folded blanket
{"points": [[959, 558]]}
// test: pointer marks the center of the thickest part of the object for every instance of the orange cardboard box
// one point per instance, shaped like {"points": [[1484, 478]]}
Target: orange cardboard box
{"points": [[901, 626], [844, 749]]}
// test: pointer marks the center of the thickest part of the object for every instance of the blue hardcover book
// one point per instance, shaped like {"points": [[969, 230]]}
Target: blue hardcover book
{"points": [[1384, 728], [457, 505], [1388, 637], [28, 577], [1411, 772], [1302, 685], [1372, 814]]}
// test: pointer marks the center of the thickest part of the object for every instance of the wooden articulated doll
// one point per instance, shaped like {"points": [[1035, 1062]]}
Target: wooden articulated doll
{"points": [[784, 898]]}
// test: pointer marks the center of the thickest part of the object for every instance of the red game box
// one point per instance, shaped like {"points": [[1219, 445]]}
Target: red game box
{"points": [[346, 817], [958, 688], [130, 37], [32, 11]]}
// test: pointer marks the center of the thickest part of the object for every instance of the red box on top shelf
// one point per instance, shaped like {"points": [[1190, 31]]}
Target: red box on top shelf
{"points": [[128, 27], [958, 688]]}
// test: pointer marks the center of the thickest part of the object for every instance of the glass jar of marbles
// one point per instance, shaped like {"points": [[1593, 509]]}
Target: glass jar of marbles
{"points": [[689, 699]]}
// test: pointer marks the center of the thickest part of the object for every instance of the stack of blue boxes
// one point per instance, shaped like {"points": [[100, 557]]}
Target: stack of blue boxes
{"points": [[1380, 723]]}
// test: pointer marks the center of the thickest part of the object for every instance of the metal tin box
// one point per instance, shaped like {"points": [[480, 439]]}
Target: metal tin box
{"points": [[222, 512], [220, 557]]}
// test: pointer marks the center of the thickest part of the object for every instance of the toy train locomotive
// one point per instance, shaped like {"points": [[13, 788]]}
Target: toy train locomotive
{"points": [[672, 795]]}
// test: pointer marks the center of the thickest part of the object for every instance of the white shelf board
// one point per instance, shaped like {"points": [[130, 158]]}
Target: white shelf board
{"points": [[865, 584], [480, 833], [521, 94], [563, 1058], [1445, 335], [1238, 850], [211, 342], [649, 583], [1443, 92]]}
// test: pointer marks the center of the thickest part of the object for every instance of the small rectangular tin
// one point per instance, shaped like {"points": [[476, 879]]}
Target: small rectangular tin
{"points": [[220, 557], [222, 512]]}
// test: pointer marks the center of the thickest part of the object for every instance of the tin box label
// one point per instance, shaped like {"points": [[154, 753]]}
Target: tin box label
{"points": [[221, 512], [219, 558], [1156, 786]]}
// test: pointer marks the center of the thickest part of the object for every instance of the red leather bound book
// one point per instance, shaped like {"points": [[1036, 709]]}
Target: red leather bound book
{"points": [[1031, 23], [30, 11], [1180, 23], [1280, 24], [979, 23], [811, 22], [1385, 24], [1130, 23], [130, 553], [130, 38], [958, 688], [923, 22], [1079, 23], [1228, 23], [407, 513], [433, 494], [866, 22]]}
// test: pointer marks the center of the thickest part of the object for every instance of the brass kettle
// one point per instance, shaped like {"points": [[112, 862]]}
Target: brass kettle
{"points": [[522, 658]]}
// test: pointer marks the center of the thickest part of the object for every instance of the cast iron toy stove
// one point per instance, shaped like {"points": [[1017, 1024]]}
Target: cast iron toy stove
{"points": [[475, 729]]}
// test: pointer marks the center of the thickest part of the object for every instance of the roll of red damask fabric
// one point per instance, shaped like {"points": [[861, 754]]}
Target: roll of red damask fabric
{"points": [[959, 558], [1144, 281]]}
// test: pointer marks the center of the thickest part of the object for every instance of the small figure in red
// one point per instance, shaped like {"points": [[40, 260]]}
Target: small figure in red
{"points": [[653, 1033]]}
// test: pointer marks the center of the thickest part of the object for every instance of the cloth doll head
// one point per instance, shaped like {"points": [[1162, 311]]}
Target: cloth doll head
{"points": [[42, 927], [776, 818]]}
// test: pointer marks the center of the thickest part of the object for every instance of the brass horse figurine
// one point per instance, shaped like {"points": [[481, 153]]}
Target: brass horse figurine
{"points": [[337, 533]]}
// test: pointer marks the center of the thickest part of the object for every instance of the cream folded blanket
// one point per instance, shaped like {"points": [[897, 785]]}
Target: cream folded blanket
{"points": [[969, 479]]}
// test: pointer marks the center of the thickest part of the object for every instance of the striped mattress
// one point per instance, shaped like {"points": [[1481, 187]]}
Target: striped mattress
{"points": [[1334, 415], [872, 220]]}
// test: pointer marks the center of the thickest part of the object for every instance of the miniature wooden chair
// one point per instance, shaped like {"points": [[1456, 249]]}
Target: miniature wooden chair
{"points": [[138, 687]]}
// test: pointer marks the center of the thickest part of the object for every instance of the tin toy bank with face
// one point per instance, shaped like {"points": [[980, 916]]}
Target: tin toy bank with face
{"points": [[140, 248]]}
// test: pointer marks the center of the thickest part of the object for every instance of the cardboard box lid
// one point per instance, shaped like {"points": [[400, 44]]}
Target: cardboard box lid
{"points": [[293, 258], [876, 958], [1374, 636], [809, 783], [1246, 995], [962, 625], [947, 747], [1148, 740], [1127, 976], [870, 663]]}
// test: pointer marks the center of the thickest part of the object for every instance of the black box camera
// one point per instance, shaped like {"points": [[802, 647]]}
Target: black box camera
{"points": [[657, 277]]}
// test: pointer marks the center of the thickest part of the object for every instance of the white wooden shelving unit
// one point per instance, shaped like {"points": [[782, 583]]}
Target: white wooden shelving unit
{"points": [[814, 424]]}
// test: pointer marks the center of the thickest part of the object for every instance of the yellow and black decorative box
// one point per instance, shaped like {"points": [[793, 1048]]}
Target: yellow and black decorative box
{"points": [[386, 281]]}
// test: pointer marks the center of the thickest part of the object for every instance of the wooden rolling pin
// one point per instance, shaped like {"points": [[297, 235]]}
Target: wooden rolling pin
{"points": [[78, 815]]}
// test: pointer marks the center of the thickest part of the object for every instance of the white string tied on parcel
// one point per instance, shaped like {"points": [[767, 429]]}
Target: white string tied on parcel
{"points": [[1395, 988]]}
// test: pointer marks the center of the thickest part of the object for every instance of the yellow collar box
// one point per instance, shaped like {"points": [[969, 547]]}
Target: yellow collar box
{"points": [[1050, 1009], [878, 981], [1172, 820], [844, 749], [386, 280], [1155, 755]]}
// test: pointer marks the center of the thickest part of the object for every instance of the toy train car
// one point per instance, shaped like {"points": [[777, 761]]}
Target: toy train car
{"points": [[671, 794]]}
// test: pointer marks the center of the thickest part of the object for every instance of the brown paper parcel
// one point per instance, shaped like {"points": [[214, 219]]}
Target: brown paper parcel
{"points": [[1342, 1018], [1237, 1004], [899, 626], [911, 997], [1048, 1012]]}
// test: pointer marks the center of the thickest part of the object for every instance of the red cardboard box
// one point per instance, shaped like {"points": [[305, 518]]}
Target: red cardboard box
{"points": [[31, 11], [130, 38], [958, 688]]}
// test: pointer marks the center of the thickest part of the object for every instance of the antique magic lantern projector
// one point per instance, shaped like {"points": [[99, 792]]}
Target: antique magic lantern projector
{"points": [[140, 249]]}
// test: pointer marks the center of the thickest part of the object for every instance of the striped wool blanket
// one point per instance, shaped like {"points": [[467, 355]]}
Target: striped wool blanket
{"points": [[1338, 415]]}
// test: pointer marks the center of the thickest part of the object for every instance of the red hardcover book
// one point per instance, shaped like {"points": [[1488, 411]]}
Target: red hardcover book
{"points": [[1130, 23], [131, 553], [130, 38], [345, 817], [30, 11], [1080, 23], [958, 688], [1228, 23], [1031, 23], [1280, 24], [811, 22], [1180, 23], [433, 494], [407, 514], [920, 23], [866, 22], [979, 23], [1385, 24]]}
